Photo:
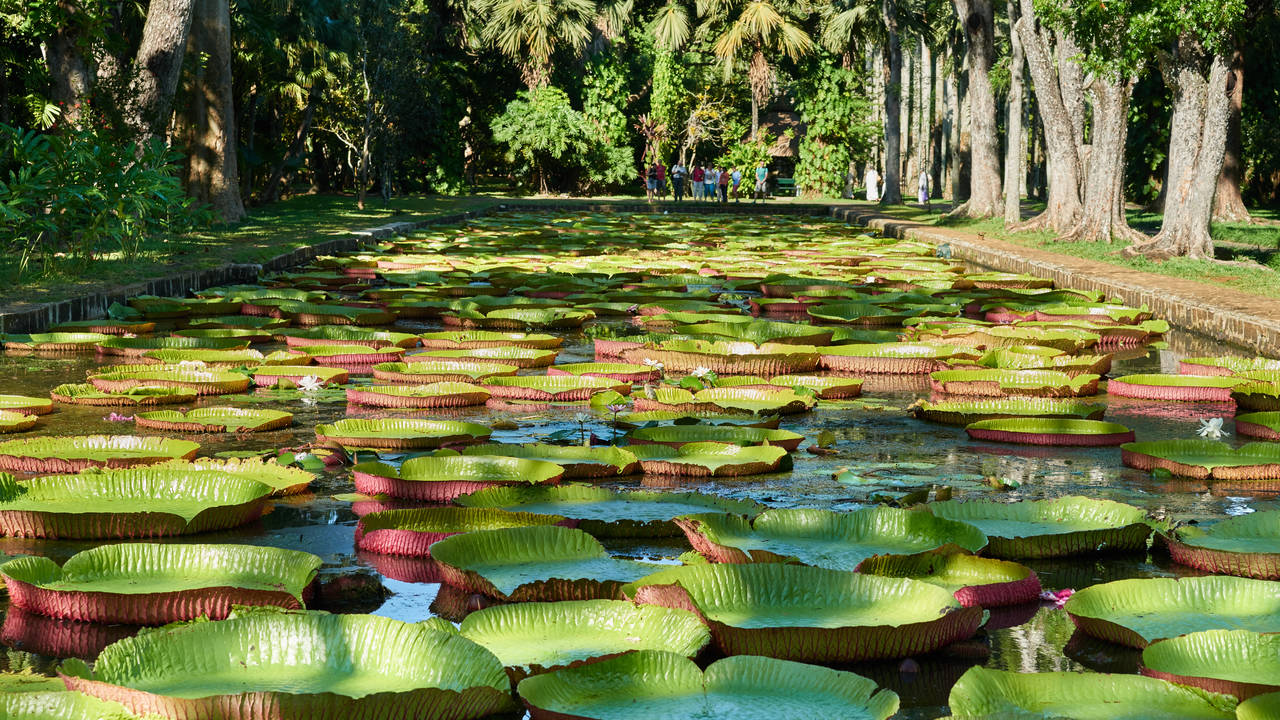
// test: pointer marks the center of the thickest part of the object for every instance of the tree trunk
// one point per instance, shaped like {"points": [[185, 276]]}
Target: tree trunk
{"points": [[1197, 145], [907, 94], [1228, 203], [362, 171], [955, 105], [69, 72], [275, 181], [1102, 216], [937, 115], [1016, 143], [985, 196], [158, 65], [1062, 157], [213, 172], [891, 64]]}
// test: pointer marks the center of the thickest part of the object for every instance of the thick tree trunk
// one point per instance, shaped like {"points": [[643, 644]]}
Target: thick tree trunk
{"points": [[362, 172], [892, 68], [1197, 144], [985, 196], [1102, 217], [1016, 143], [275, 181], [69, 71], [955, 134], [1062, 157], [213, 172], [157, 65], [938, 124], [1228, 204]]}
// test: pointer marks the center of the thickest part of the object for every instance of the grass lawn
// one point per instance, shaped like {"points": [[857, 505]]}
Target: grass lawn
{"points": [[1258, 245]]}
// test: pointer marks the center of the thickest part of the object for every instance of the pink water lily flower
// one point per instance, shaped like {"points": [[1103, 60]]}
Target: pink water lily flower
{"points": [[116, 417], [1058, 598]]}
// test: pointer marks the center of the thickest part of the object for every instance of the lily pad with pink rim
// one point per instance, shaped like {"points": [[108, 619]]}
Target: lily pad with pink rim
{"points": [[578, 461], [811, 614], [727, 357], [220, 359], [520, 357], [520, 319], [465, 339], [54, 342], [711, 459], [1261, 425], [412, 531], [975, 581], [347, 355], [553, 388], [441, 478], [1013, 383], [27, 405], [540, 563], [215, 420], [202, 381], [824, 387], [1051, 431], [677, 435], [273, 375], [1240, 663], [137, 346], [1174, 388], [423, 372], [74, 453], [433, 395], [621, 372], [763, 331], [1205, 459], [253, 334], [894, 358], [1244, 545], [1225, 365], [282, 479], [1061, 527], [137, 396], [13, 422], [968, 411], [347, 335], [401, 433], [823, 538]]}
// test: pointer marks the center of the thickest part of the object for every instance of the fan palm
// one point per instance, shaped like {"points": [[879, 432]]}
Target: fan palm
{"points": [[529, 32]]}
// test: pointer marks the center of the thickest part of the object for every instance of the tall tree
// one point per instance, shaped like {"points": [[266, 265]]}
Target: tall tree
{"points": [[213, 175], [985, 196], [1228, 202], [1016, 143], [157, 66]]}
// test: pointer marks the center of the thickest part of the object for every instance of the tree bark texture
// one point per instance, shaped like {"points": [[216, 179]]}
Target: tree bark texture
{"points": [[275, 181], [985, 196], [1102, 216], [1197, 144], [1228, 204], [1062, 158], [891, 65], [70, 73], [213, 173], [1015, 143], [157, 67]]}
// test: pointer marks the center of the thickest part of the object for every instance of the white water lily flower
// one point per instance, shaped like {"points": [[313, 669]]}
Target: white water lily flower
{"points": [[1212, 428], [581, 418], [310, 383], [191, 363], [701, 372], [653, 364]]}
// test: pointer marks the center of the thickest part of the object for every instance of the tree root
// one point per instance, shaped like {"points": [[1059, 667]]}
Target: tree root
{"points": [[1034, 224]]}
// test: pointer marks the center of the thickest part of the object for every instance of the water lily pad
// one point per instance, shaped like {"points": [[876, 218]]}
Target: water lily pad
{"points": [[1260, 707], [608, 513], [272, 375], [460, 339], [621, 372], [1013, 383], [1204, 459], [532, 638], [1245, 545], [982, 693], [1175, 388], [520, 318], [965, 412], [1261, 425], [133, 503], [823, 387], [12, 422], [282, 479], [727, 358], [59, 706], [443, 478], [138, 395], [553, 388], [54, 342], [545, 563], [202, 381], [678, 435], [1140, 611], [26, 405], [748, 400], [399, 434], [412, 531], [1060, 527], [217, 359], [75, 453], [822, 538], [711, 459], [433, 395], [138, 346], [1050, 431], [1225, 366], [975, 581], [649, 684], [363, 668], [215, 419], [520, 357], [150, 584], [890, 358], [811, 614], [578, 461], [1231, 662], [330, 335], [424, 372]]}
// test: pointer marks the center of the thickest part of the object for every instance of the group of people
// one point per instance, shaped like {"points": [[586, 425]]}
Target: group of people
{"points": [[707, 184], [873, 181]]}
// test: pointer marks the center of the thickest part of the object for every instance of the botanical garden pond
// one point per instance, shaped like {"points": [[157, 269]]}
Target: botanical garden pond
{"points": [[686, 282]]}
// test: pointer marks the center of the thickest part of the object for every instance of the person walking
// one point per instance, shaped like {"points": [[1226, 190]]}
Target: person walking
{"points": [[924, 189], [697, 176], [736, 178], [762, 183], [724, 184], [678, 172], [651, 181], [709, 182], [873, 184], [662, 179]]}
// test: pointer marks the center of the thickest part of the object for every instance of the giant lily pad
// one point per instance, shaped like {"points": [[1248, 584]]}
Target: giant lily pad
{"points": [[1060, 527], [412, 531], [59, 706], [811, 614], [443, 478], [965, 412], [608, 513], [137, 346], [356, 667], [11, 422], [1020, 383], [200, 381], [1232, 662], [748, 400], [823, 387], [1181, 388], [350, 355], [1225, 366], [711, 459], [150, 584], [1140, 611], [139, 395], [1205, 459], [981, 694], [328, 335], [532, 638], [727, 358], [392, 433], [678, 435], [975, 581], [534, 563], [55, 342], [133, 503], [651, 684], [282, 479], [520, 318], [1246, 545], [461, 339], [621, 372], [553, 388], [890, 358], [1261, 425], [506, 355], [578, 461], [28, 405], [75, 453], [763, 331], [434, 395], [822, 538], [218, 359], [424, 372], [1050, 431], [215, 419]]}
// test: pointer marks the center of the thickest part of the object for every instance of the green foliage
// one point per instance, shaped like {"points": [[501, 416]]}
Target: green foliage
{"points": [[65, 198], [840, 130], [604, 99], [669, 103], [748, 155], [546, 137]]}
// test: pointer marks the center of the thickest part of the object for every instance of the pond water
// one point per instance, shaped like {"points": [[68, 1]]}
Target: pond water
{"points": [[892, 451]]}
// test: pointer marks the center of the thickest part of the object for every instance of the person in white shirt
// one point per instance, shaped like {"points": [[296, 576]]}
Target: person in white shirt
{"points": [[873, 184], [924, 188]]}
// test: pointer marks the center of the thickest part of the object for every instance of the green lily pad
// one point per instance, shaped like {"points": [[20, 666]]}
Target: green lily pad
{"points": [[215, 419], [578, 461], [965, 412], [1246, 545], [677, 435], [1061, 527], [1232, 662], [711, 459], [59, 706], [393, 433], [1205, 459], [75, 453]]}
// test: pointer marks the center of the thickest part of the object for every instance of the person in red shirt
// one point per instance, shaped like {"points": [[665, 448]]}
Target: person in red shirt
{"points": [[697, 177], [724, 185], [662, 180]]}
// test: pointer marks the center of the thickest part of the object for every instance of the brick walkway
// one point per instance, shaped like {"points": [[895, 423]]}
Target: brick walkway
{"points": [[1239, 318]]}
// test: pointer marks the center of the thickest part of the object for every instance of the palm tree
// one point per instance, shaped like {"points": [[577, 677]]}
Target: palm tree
{"points": [[529, 32]]}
